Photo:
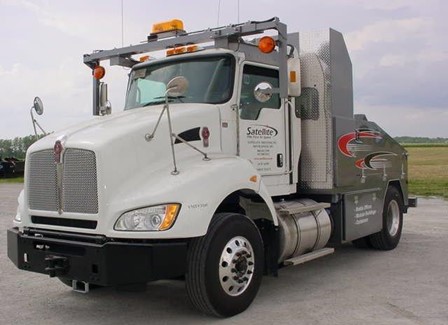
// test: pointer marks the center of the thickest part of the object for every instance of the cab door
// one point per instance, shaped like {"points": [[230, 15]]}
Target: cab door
{"points": [[262, 127]]}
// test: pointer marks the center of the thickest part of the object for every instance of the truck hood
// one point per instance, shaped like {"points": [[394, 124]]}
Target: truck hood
{"points": [[131, 126], [122, 152]]}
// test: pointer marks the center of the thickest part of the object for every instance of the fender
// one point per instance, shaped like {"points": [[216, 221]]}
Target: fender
{"points": [[198, 188]]}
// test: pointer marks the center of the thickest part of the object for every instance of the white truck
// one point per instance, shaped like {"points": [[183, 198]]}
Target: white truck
{"points": [[237, 153]]}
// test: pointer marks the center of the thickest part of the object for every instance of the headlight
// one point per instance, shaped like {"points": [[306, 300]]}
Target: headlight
{"points": [[155, 218]]}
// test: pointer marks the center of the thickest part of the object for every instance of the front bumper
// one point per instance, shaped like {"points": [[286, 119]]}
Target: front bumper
{"points": [[95, 259]]}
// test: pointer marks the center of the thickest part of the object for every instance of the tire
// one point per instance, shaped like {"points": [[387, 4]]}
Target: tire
{"points": [[389, 237], [225, 266]]}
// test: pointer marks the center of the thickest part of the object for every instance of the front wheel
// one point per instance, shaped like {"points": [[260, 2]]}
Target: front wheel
{"points": [[390, 234], [225, 266]]}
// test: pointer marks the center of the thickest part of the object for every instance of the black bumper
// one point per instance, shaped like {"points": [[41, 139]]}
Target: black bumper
{"points": [[95, 259]]}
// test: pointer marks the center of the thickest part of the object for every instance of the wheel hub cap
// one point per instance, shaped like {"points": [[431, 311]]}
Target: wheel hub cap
{"points": [[236, 266], [393, 218]]}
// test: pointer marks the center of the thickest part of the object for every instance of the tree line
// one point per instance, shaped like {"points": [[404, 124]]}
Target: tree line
{"points": [[422, 140], [16, 147]]}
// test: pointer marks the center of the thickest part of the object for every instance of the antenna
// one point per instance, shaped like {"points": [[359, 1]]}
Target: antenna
{"points": [[219, 9], [122, 24], [238, 11]]}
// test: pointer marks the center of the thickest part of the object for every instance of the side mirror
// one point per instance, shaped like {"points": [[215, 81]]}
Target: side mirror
{"points": [[38, 106], [177, 86], [263, 92], [105, 107]]}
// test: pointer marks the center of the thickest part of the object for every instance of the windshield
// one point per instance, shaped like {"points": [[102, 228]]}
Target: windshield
{"points": [[210, 81]]}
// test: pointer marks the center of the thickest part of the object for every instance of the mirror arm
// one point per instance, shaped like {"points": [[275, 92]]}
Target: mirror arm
{"points": [[33, 120], [36, 123], [170, 127], [270, 91], [43, 131]]}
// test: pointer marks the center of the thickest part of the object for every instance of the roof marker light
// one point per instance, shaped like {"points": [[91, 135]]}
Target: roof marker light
{"points": [[98, 72], [266, 44]]}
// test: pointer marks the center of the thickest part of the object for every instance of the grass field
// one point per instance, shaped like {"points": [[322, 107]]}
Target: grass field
{"points": [[428, 170], [11, 180]]}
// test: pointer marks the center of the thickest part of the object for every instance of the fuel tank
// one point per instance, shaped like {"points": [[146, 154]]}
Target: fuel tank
{"points": [[304, 226]]}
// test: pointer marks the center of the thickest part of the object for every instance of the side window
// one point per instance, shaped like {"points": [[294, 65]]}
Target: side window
{"points": [[307, 105], [252, 76]]}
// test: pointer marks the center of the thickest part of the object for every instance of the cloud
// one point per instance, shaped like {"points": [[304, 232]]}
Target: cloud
{"points": [[400, 120], [387, 31], [398, 50]]}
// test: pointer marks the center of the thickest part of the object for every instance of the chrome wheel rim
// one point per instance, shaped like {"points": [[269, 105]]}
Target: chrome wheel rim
{"points": [[393, 218], [236, 266]]}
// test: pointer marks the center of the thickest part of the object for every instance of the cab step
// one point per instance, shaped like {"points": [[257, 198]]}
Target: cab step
{"points": [[309, 256]]}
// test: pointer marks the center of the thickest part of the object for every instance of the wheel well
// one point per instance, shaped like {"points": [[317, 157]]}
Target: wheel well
{"points": [[397, 185], [246, 202], [251, 204]]}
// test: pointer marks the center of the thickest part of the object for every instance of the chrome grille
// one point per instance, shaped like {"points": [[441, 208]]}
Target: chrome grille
{"points": [[42, 187], [79, 182]]}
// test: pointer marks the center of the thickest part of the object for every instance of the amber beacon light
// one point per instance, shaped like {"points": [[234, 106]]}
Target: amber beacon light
{"points": [[168, 26]]}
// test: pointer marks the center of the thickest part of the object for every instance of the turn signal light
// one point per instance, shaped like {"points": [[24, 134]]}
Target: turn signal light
{"points": [[170, 215], [99, 72], [266, 44]]}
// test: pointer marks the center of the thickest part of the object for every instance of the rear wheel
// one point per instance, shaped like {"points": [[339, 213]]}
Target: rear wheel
{"points": [[225, 266], [389, 236]]}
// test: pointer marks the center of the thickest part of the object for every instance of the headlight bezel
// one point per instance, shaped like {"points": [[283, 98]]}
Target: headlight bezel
{"points": [[141, 218]]}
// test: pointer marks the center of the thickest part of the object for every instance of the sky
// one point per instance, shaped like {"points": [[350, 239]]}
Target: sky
{"points": [[398, 48]]}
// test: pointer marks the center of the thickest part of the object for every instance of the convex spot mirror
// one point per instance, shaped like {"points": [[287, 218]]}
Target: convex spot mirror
{"points": [[263, 92], [177, 86], [38, 106], [103, 94]]}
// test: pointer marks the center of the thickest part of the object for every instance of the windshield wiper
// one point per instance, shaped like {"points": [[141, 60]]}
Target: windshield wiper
{"points": [[155, 102], [161, 100]]}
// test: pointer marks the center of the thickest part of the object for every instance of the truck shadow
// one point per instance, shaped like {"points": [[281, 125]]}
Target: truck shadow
{"points": [[166, 301]]}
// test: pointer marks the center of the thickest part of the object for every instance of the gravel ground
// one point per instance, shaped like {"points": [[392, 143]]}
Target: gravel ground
{"points": [[408, 285]]}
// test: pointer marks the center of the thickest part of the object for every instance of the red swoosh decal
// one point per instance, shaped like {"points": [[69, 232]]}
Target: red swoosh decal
{"points": [[360, 163], [345, 140]]}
